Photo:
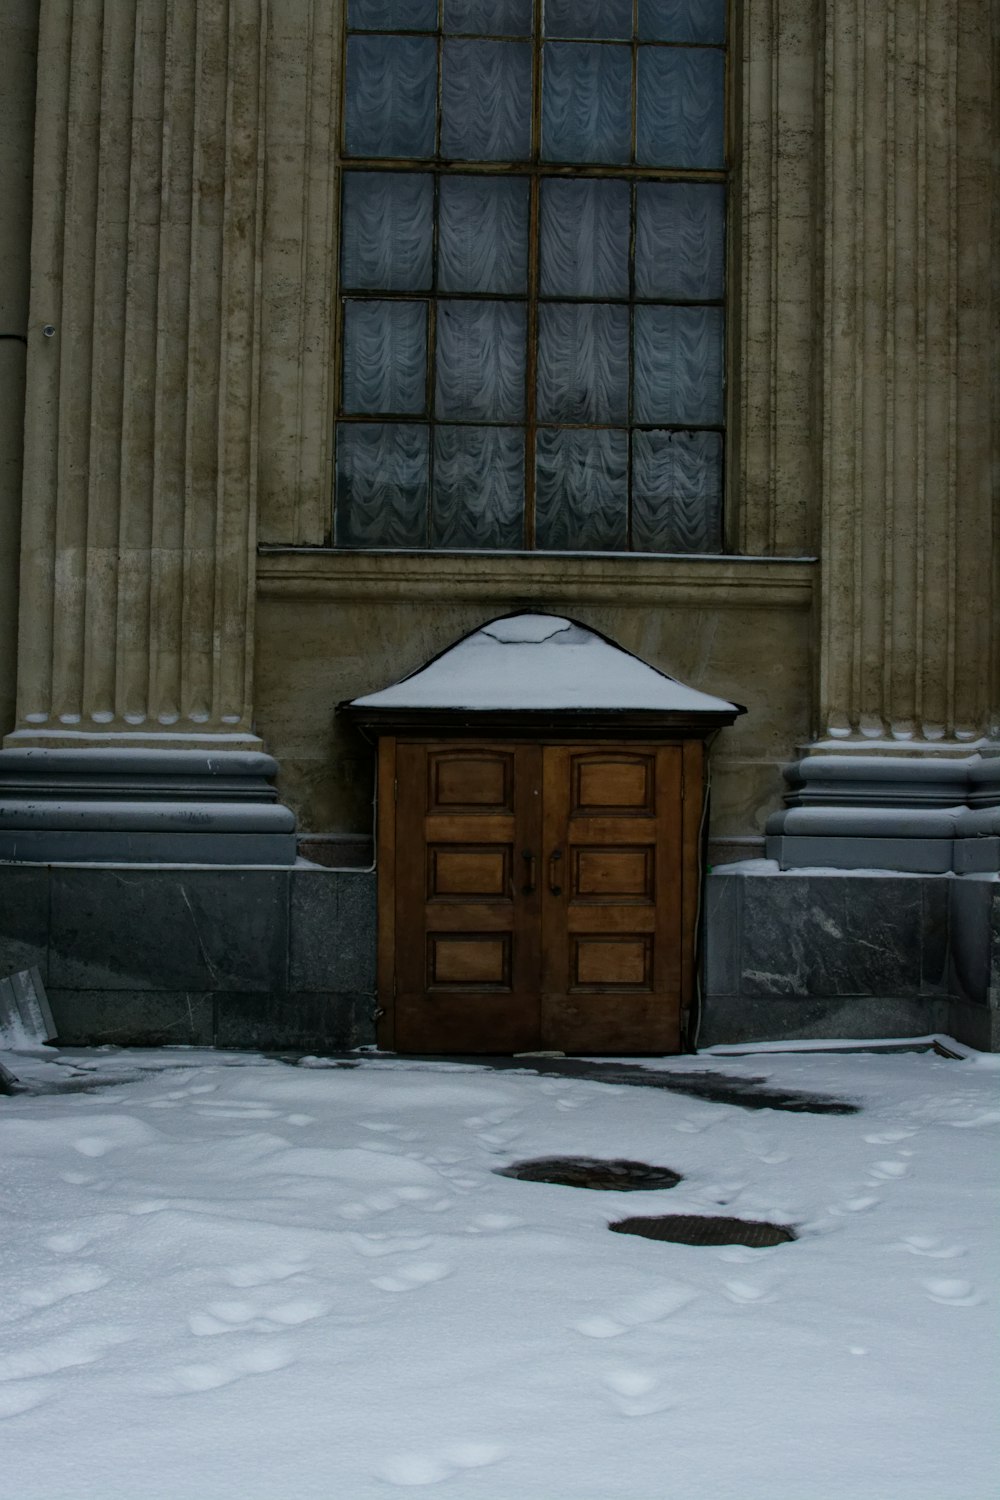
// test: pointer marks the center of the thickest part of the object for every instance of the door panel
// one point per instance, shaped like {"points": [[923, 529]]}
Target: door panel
{"points": [[611, 915], [467, 913]]}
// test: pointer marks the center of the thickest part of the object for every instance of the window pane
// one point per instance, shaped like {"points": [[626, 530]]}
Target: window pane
{"points": [[589, 18], [391, 89], [385, 357], [480, 361], [387, 231], [478, 487], [677, 492], [483, 234], [586, 103], [581, 490], [381, 484], [392, 15], [486, 101], [679, 240], [585, 235], [681, 107], [489, 17], [582, 363], [678, 365], [682, 20]]}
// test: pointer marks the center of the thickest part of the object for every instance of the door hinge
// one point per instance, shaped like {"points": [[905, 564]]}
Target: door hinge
{"points": [[395, 790]]}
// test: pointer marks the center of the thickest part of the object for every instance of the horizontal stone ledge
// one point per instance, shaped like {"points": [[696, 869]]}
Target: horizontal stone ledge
{"points": [[122, 761], [143, 816], [125, 847], [50, 734], [929, 781], [689, 581]]}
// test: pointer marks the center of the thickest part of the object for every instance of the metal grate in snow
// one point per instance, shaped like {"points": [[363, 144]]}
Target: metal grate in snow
{"points": [[612, 1176], [698, 1229]]}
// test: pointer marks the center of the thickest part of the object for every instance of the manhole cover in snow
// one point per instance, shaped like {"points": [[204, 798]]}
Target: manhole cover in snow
{"points": [[590, 1172], [695, 1229]]}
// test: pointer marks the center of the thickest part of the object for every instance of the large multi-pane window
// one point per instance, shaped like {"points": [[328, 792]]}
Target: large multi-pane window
{"points": [[532, 260]]}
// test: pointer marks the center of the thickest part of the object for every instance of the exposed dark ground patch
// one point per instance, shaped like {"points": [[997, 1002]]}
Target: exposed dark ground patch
{"points": [[608, 1176], [695, 1229], [716, 1088]]}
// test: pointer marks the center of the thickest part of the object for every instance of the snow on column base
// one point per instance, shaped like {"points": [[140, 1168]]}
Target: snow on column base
{"points": [[142, 806], [929, 814]]}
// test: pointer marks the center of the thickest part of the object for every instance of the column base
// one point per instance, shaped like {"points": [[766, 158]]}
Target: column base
{"points": [[928, 815], [142, 806]]}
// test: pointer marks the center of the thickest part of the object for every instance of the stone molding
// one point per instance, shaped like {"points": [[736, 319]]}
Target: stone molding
{"points": [[931, 814], [142, 806], [698, 582]]}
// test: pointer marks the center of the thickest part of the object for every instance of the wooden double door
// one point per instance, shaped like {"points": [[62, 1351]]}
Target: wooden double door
{"points": [[537, 896]]}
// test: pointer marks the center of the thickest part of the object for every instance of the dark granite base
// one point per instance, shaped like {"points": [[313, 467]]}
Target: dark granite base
{"points": [[848, 955], [222, 957], [285, 959]]}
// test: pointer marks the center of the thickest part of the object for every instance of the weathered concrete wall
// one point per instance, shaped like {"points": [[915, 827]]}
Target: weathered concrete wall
{"points": [[330, 628]]}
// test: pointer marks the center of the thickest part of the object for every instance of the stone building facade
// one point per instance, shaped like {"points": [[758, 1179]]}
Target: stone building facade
{"points": [[177, 626]]}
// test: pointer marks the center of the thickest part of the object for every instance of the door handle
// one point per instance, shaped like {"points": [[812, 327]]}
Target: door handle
{"points": [[529, 860], [554, 859]]}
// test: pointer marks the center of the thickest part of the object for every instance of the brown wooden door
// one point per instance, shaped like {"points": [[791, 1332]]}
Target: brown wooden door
{"points": [[611, 914], [536, 898], [468, 903]]}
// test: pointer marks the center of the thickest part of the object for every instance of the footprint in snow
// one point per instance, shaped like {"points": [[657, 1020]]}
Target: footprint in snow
{"points": [[491, 1223], [73, 1284], [637, 1393], [890, 1137], [858, 1205], [888, 1171], [933, 1248], [745, 1294], [241, 1317], [73, 1242], [405, 1469], [93, 1145], [85, 1346], [985, 1117], [192, 1380], [374, 1246], [951, 1292], [23, 1395], [633, 1312], [409, 1278], [263, 1272]]}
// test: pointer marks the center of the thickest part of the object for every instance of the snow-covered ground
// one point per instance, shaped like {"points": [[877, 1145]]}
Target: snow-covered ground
{"points": [[227, 1278]]}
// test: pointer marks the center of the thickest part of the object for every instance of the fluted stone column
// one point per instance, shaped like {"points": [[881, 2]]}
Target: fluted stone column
{"points": [[908, 620], [139, 529], [18, 42]]}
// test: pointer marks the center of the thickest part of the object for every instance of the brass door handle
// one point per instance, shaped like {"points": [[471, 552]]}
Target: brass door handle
{"points": [[554, 858], [529, 884]]}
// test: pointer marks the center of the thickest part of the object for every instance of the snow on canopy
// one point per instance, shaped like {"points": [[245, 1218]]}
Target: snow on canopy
{"points": [[534, 661]]}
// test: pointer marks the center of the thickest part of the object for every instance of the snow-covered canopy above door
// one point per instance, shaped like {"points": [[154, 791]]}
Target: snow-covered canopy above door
{"points": [[537, 671]]}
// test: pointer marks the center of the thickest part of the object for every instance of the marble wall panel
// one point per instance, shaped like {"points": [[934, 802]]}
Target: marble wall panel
{"points": [[24, 920], [133, 1017], [823, 936], [185, 929]]}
